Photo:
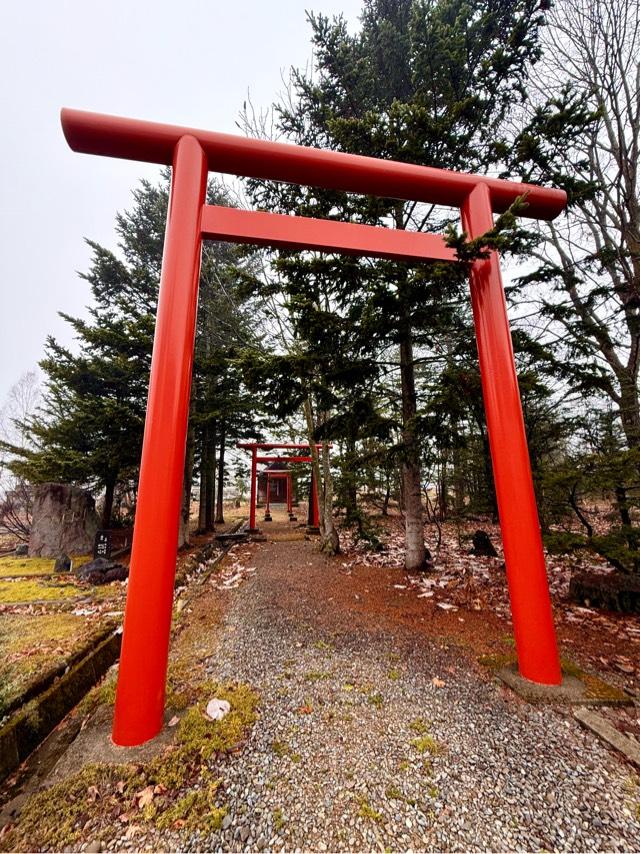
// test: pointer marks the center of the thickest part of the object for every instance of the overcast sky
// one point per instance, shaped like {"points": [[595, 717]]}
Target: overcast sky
{"points": [[188, 62]]}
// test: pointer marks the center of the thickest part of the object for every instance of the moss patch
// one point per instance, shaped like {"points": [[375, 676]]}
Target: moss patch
{"points": [[31, 646], [195, 810], [27, 566], [596, 689], [365, 810], [173, 790], [30, 590]]}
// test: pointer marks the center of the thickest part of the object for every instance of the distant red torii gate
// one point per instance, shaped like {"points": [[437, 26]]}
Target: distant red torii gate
{"points": [[254, 447], [192, 153]]}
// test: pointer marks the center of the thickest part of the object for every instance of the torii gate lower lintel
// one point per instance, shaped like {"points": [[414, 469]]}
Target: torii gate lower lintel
{"points": [[192, 153]]}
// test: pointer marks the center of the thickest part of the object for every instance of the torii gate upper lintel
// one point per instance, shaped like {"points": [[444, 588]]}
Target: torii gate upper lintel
{"points": [[192, 153]]}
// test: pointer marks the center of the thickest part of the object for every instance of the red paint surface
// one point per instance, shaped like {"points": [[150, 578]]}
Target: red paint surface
{"points": [[141, 683], [321, 235], [140, 695], [151, 142], [528, 588]]}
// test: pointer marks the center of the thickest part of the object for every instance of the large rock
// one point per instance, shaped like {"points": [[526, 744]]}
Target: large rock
{"points": [[482, 545], [64, 520], [102, 571], [614, 591]]}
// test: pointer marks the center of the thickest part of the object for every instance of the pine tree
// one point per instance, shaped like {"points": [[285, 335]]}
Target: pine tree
{"points": [[432, 82]]}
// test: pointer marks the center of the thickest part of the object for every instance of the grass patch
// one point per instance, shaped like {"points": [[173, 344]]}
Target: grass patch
{"points": [[365, 810], [376, 700], [419, 726], [426, 744], [394, 675], [278, 819], [317, 675], [394, 793]]}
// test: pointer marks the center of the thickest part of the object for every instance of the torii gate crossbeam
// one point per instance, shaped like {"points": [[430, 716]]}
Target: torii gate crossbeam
{"points": [[192, 153]]}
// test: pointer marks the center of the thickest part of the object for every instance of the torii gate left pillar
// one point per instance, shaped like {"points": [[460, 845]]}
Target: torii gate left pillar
{"points": [[150, 593]]}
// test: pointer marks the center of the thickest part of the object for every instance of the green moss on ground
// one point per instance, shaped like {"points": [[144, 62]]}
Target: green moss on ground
{"points": [[365, 810], [30, 590], [31, 645], [595, 688], [195, 810], [175, 789], [28, 566]]}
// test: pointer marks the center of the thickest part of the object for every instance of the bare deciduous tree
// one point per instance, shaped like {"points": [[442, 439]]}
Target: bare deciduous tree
{"points": [[592, 256], [16, 495]]}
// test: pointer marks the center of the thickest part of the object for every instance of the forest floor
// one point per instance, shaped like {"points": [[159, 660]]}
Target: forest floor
{"points": [[378, 726]]}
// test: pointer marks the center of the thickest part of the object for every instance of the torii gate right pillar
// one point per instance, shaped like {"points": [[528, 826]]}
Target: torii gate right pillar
{"points": [[528, 589]]}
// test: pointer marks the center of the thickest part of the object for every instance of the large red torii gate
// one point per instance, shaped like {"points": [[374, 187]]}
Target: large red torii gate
{"points": [[192, 153]]}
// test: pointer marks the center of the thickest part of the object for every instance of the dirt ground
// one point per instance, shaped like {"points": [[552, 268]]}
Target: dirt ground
{"points": [[379, 725]]}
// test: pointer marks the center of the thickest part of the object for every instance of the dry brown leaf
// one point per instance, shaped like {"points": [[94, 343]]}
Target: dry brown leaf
{"points": [[439, 683], [145, 797]]}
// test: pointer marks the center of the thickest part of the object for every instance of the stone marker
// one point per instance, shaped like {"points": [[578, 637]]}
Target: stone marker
{"points": [[102, 544], [62, 564]]}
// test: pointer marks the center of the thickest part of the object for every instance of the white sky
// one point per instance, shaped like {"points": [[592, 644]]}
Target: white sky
{"points": [[185, 62]]}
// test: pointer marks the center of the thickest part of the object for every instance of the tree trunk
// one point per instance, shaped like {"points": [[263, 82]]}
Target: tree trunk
{"points": [[489, 486], [202, 503], [458, 481], [210, 476], [413, 518], [108, 503], [387, 493], [329, 539], [185, 510], [220, 501], [630, 410], [349, 476]]}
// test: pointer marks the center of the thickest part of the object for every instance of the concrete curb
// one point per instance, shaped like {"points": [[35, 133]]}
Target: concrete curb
{"points": [[603, 729], [26, 729]]}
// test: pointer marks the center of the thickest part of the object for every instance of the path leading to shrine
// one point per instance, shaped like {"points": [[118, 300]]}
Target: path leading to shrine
{"points": [[378, 728], [373, 735]]}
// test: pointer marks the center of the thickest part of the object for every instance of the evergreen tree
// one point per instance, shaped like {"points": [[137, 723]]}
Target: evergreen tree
{"points": [[432, 82]]}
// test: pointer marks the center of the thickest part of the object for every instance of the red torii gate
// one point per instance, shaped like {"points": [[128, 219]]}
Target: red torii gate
{"points": [[254, 447], [141, 682]]}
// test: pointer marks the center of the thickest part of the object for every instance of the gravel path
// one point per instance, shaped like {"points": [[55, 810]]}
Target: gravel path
{"points": [[374, 738]]}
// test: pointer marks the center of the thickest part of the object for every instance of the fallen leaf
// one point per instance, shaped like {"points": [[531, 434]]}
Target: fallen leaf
{"points": [[439, 683], [93, 794], [174, 720], [145, 797]]}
